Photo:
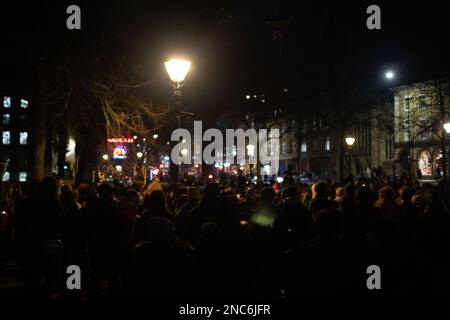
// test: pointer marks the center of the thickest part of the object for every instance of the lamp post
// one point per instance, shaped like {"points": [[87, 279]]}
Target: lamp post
{"points": [[349, 141], [177, 70]]}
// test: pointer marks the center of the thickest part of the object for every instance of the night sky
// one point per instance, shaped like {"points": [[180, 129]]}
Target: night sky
{"points": [[231, 44]]}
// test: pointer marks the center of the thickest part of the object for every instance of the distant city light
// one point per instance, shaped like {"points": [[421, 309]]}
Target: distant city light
{"points": [[280, 179], [184, 152], [255, 178], [155, 136], [139, 154], [119, 168], [210, 176], [247, 97], [135, 137], [167, 158], [350, 141], [105, 157]]}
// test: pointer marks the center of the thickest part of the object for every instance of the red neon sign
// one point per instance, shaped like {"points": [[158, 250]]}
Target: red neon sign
{"points": [[120, 140]]}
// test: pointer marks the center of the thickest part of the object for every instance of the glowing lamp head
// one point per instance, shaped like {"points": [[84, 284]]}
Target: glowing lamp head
{"points": [[447, 127], [389, 75], [105, 157], [139, 154], [349, 141], [177, 69]]}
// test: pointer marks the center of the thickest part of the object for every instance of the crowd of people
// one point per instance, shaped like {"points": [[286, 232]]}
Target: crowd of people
{"points": [[211, 242]]}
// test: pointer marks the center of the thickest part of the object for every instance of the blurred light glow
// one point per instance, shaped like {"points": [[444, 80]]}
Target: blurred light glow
{"points": [[280, 179], [177, 69], [350, 141], [447, 127], [139, 154], [389, 75], [184, 151], [105, 157], [155, 136]]}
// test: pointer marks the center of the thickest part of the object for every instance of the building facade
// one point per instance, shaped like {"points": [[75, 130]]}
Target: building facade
{"points": [[420, 111], [16, 139]]}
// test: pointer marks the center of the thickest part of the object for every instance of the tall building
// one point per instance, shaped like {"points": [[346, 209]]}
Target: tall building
{"points": [[15, 145], [420, 111]]}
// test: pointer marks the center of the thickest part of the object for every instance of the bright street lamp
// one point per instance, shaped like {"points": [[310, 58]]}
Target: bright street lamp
{"points": [[105, 157], [447, 127], [349, 141], [155, 136], [389, 75], [139, 154], [177, 69]]}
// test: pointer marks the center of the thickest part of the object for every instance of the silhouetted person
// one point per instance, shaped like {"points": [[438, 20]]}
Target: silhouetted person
{"points": [[162, 267], [182, 216], [320, 199], [104, 239]]}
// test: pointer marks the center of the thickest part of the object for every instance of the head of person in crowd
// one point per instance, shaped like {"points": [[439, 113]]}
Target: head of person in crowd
{"points": [[436, 204], [211, 192], [251, 195], [339, 194], [386, 197], [49, 187], [319, 190], [349, 190], [420, 201], [105, 192], [267, 196], [405, 195], [329, 224], [291, 196], [363, 195], [156, 205], [132, 198], [68, 198], [159, 231], [193, 195]]}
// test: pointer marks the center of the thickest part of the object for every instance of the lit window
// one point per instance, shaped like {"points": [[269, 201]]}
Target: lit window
{"points": [[304, 147], [6, 137], [23, 177], [7, 102], [422, 103], [328, 145], [23, 103], [24, 138], [407, 104], [6, 176], [6, 119]]}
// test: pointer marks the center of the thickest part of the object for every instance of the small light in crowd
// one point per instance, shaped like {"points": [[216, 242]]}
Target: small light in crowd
{"points": [[254, 96], [285, 90], [119, 168], [247, 97], [161, 166], [184, 152], [168, 142], [105, 157], [139, 154], [226, 164], [155, 136], [183, 141], [263, 100], [210, 176], [255, 178], [280, 179], [144, 139], [196, 166], [155, 172], [241, 168], [135, 137], [166, 158]]}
